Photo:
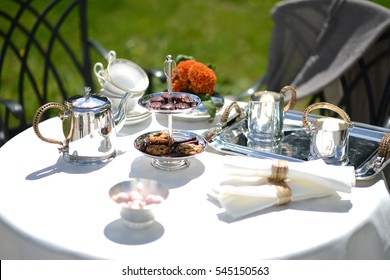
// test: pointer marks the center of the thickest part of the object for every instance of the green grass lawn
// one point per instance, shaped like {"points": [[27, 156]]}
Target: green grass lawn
{"points": [[233, 35]]}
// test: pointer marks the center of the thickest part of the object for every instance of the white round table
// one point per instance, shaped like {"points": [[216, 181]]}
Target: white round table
{"points": [[50, 209]]}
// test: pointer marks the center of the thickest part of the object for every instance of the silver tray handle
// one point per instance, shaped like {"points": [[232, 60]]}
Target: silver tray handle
{"points": [[226, 113], [383, 150]]}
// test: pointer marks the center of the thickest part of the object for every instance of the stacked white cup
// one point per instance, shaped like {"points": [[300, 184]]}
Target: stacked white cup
{"points": [[121, 76]]}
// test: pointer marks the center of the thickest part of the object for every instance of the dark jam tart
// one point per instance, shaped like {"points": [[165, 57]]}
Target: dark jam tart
{"points": [[171, 102]]}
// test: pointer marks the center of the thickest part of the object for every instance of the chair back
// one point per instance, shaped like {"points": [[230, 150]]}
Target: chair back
{"points": [[336, 51], [44, 55]]}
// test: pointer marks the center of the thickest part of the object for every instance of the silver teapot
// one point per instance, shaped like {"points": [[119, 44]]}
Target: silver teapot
{"points": [[89, 127]]}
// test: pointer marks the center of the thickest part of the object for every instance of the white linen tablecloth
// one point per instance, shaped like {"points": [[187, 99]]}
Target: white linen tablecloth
{"points": [[50, 209]]}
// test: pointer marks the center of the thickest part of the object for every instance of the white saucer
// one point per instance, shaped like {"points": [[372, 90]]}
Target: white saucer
{"points": [[195, 116], [137, 117], [200, 113]]}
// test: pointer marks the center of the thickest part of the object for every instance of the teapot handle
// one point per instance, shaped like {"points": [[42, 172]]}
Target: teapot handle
{"points": [[324, 105], [292, 100], [38, 116]]}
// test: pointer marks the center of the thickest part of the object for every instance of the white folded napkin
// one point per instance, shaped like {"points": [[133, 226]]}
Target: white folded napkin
{"points": [[248, 189]]}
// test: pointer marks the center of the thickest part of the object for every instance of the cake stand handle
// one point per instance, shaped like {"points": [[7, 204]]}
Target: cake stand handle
{"points": [[169, 75]]}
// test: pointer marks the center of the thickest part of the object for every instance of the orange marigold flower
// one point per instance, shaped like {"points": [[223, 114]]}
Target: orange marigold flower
{"points": [[194, 77], [180, 78], [184, 69], [178, 86], [202, 79]]}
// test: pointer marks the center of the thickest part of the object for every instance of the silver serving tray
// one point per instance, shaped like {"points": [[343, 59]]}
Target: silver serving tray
{"points": [[364, 141]]}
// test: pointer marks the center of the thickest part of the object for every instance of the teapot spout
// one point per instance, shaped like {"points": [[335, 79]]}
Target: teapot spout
{"points": [[120, 114]]}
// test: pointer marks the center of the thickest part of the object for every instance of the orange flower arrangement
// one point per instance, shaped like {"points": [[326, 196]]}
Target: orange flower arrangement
{"points": [[194, 77]]}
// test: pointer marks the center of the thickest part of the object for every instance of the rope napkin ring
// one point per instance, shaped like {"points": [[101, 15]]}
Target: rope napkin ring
{"points": [[279, 170], [277, 179]]}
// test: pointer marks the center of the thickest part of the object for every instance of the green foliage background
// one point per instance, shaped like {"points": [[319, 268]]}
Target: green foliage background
{"points": [[233, 35]]}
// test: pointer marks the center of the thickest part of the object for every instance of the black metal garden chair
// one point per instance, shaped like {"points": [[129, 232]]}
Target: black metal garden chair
{"points": [[37, 57], [45, 55]]}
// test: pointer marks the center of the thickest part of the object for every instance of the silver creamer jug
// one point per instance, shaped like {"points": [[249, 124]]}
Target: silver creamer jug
{"points": [[329, 136], [89, 127]]}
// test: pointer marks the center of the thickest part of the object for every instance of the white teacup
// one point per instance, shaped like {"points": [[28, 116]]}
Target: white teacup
{"points": [[121, 73], [112, 89]]}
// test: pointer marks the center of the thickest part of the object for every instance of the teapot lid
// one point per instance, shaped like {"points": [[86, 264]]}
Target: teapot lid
{"points": [[88, 100]]}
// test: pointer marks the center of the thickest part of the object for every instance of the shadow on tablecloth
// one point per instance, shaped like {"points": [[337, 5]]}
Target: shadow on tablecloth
{"points": [[118, 232]]}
